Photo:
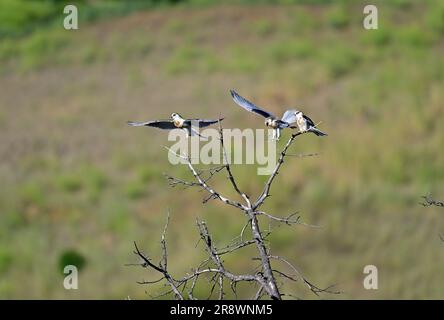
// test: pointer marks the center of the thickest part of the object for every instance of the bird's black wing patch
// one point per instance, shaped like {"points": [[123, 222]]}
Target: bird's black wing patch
{"points": [[202, 123], [309, 121], [249, 106], [161, 124]]}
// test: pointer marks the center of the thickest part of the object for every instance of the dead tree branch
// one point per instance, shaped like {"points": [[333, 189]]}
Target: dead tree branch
{"points": [[228, 168], [266, 192], [213, 268]]}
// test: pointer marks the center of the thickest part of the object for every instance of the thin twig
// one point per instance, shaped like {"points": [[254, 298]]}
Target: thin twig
{"points": [[313, 288], [161, 270], [266, 192], [302, 155], [228, 168], [205, 186], [288, 219], [164, 261], [258, 294]]}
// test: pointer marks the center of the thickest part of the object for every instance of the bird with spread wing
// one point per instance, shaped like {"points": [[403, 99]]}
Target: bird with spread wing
{"points": [[271, 121], [177, 122]]}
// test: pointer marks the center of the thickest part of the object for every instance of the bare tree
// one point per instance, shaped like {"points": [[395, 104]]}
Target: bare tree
{"points": [[267, 273]]}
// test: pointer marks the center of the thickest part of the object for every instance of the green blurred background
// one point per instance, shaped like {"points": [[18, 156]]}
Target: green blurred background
{"points": [[78, 185]]}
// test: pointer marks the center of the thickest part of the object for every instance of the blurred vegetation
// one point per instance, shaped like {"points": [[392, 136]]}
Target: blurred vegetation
{"points": [[80, 186], [71, 257], [19, 17]]}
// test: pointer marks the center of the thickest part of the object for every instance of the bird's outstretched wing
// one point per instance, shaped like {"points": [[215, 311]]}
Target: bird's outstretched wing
{"points": [[289, 116], [249, 106], [202, 123], [161, 124]]}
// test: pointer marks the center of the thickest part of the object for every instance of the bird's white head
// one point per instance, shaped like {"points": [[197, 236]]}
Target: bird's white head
{"points": [[175, 116], [299, 114], [268, 122]]}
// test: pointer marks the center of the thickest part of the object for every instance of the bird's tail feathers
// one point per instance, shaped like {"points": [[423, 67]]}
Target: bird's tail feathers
{"points": [[317, 132]]}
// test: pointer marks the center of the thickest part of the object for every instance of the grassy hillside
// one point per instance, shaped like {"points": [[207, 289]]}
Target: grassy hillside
{"points": [[80, 185]]}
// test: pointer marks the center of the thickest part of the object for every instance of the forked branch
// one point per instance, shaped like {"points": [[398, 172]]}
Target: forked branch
{"points": [[213, 267]]}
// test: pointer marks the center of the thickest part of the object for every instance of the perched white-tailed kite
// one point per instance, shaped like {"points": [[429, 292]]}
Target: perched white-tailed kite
{"points": [[306, 124], [177, 122]]}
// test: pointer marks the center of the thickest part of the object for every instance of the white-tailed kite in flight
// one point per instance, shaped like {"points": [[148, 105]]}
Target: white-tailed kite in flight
{"points": [[177, 122]]}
